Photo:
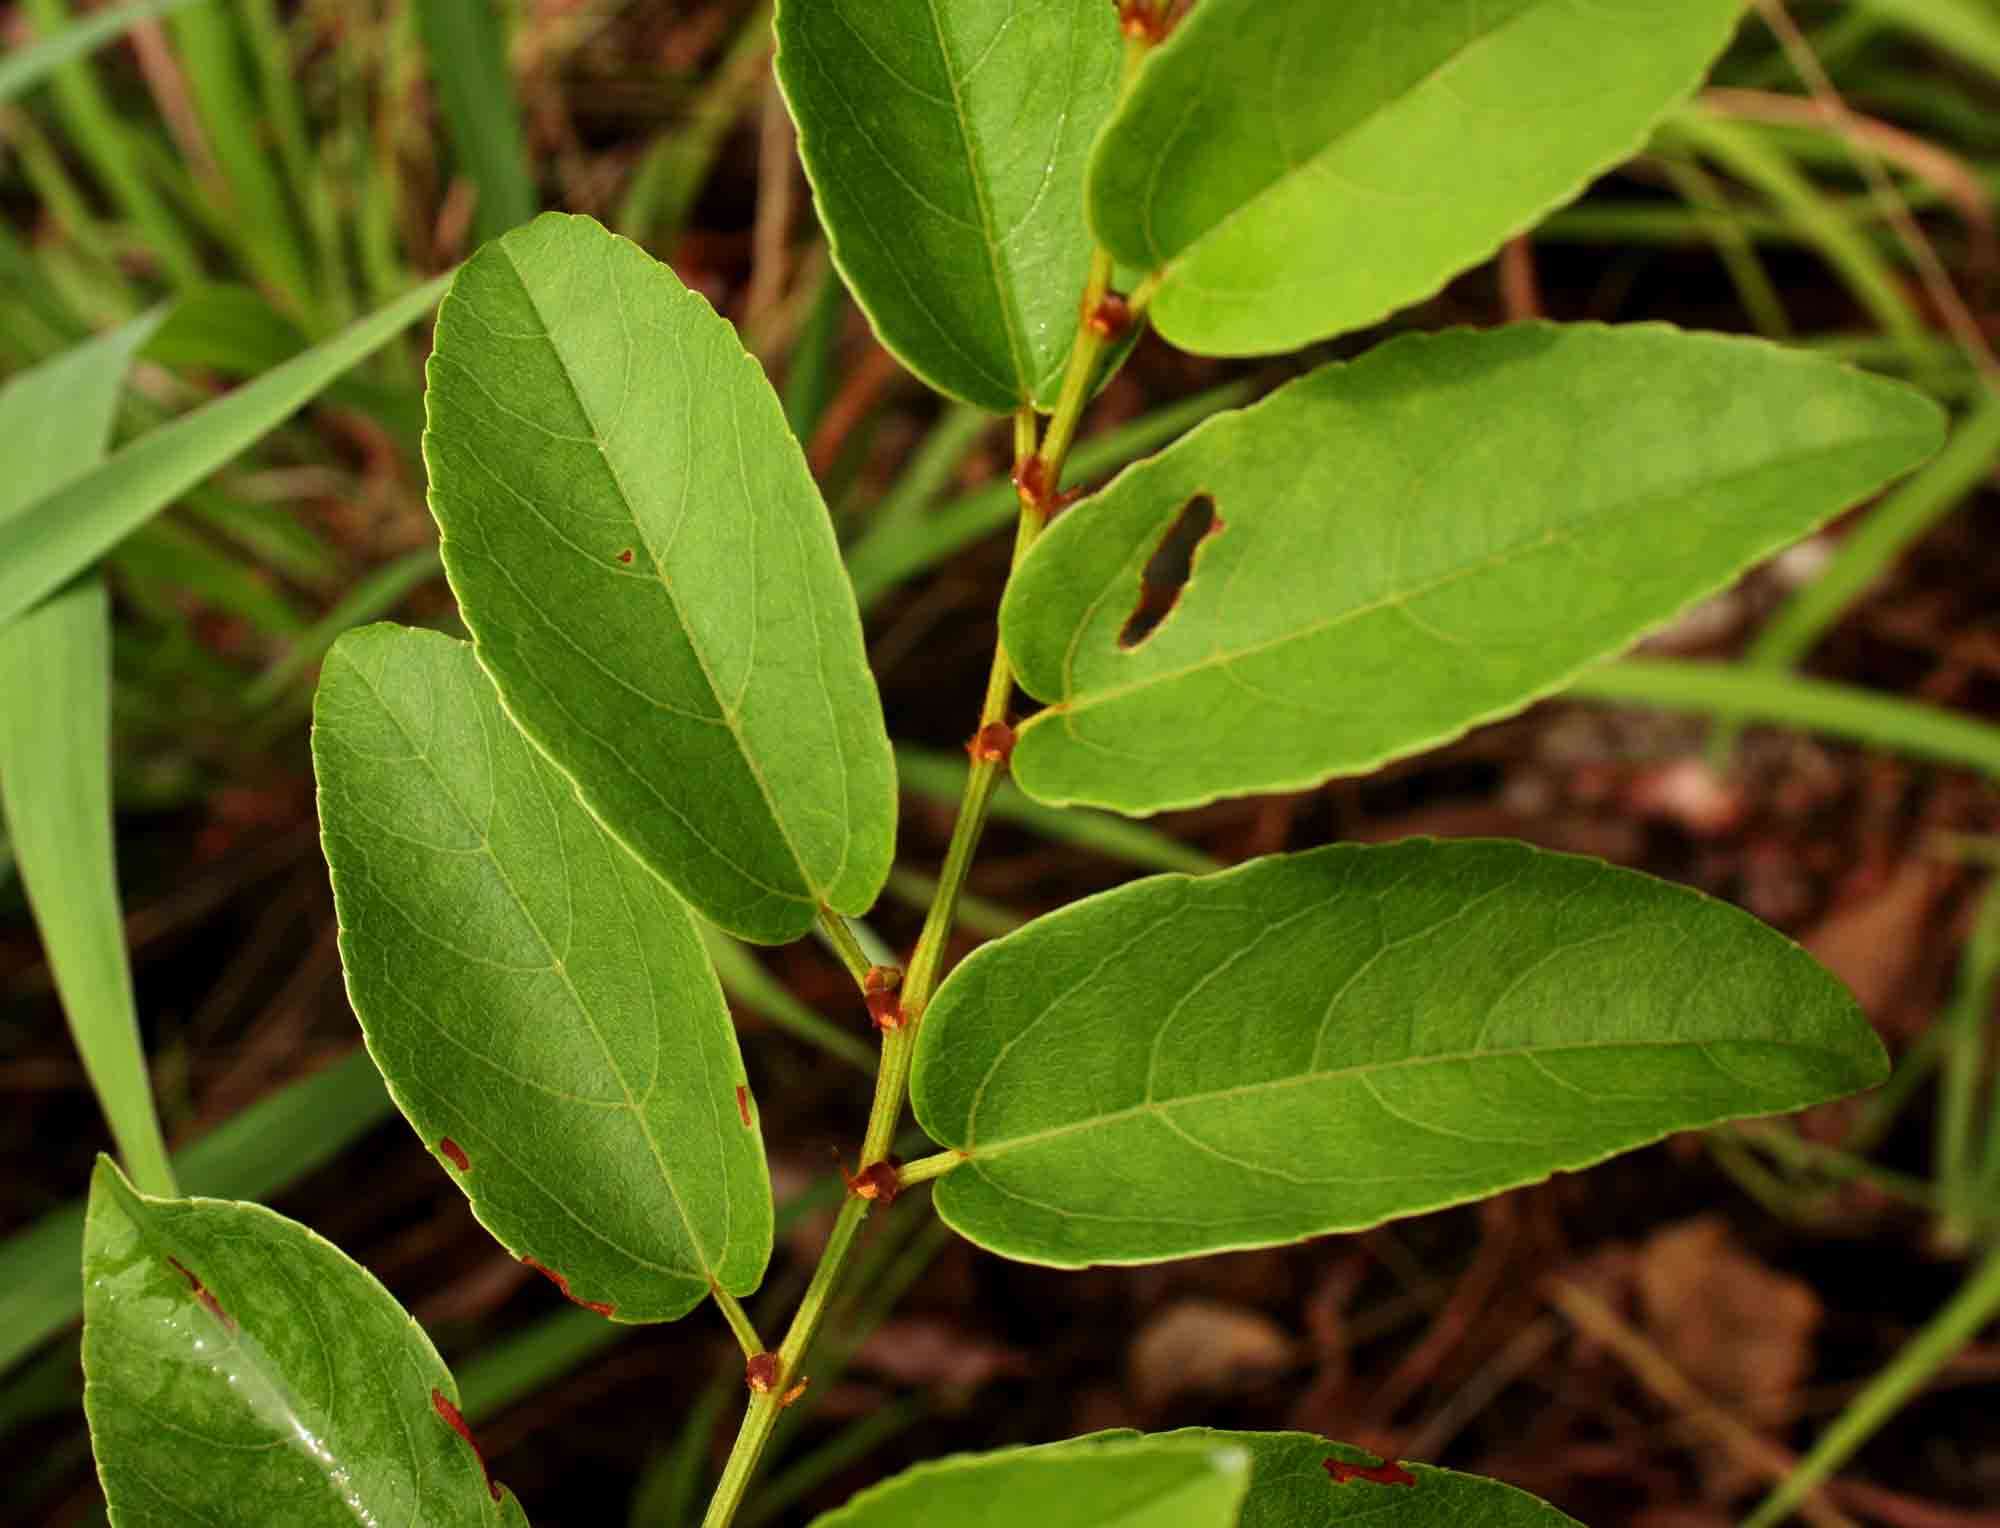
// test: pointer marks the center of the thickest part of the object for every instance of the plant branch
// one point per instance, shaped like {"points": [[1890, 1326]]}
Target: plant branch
{"points": [[739, 1321], [840, 939]]}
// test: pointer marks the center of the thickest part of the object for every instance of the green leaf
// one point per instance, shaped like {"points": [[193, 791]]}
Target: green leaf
{"points": [[1290, 1486], [946, 142], [652, 580], [1422, 540], [1325, 1041], [1127, 1483], [55, 743], [68, 529], [540, 1004], [1290, 169], [240, 1370]]}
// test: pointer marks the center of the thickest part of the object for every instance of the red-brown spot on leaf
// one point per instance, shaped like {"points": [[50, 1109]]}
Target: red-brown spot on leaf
{"points": [[761, 1373], [1143, 20], [456, 1422], [743, 1104], [200, 1291], [993, 744], [1386, 1473], [562, 1284], [455, 1154], [626, 557]]}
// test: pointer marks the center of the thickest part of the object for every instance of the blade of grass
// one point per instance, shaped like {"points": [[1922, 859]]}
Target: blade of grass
{"points": [[1966, 1023], [55, 787], [277, 81], [809, 378], [277, 1140], [181, 564], [263, 220], [1962, 28], [745, 980], [468, 64], [55, 746], [1792, 700], [1851, 254], [66, 530], [1976, 1303], [371, 599], [941, 776], [669, 1491], [887, 556], [25, 67]]}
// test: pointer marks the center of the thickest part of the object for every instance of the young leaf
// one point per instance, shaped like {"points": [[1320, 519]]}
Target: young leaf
{"points": [[1386, 552], [1295, 1479], [241, 1371], [1124, 1483], [651, 578], [540, 1004], [946, 143], [1290, 169], [1325, 1041]]}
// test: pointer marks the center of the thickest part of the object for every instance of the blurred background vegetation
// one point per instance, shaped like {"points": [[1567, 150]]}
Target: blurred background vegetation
{"points": [[1653, 1343]]}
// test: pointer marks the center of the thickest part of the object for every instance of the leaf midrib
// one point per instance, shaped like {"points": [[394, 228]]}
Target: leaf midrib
{"points": [[703, 1267], [1365, 1070], [1166, 267], [729, 714], [1076, 701]]}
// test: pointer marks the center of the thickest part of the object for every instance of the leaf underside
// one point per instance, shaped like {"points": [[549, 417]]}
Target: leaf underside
{"points": [[1127, 1482], [651, 579], [1294, 169], [541, 1004], [1325, 1041], [239, 1370], [1422, 540], [946, 142]]}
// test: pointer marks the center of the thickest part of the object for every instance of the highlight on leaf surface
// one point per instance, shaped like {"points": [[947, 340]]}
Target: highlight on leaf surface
{"points": [[946, 142], [1291, 169], [1400, 547], [1324, 1041], [650, 577], [540, 1004], [1128, 1481], [240, 1370]]}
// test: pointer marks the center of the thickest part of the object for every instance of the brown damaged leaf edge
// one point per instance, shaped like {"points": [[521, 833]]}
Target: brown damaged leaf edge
{"points": [[1387, 1473], [200, 1291], [454, 1153], [562, 1285], [743, 1104], [455, 1420]]}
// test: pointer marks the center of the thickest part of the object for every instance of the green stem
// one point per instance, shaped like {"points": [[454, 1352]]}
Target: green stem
{"points": [[739, 1321], [1976, 1303], [925, 1168], [762, 1414], [843, 943]]}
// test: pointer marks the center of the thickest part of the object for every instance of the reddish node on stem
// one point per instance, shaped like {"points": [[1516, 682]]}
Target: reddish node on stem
{"points": [[456, 1423], [879, 1182], [562, 1284], [761, 1373], [1111, 317], [1142, 20], [200, 1291], [454, 1153], [1386, 1473], [880, 987], [743, 1104], [994, 744], [794, 1393]]}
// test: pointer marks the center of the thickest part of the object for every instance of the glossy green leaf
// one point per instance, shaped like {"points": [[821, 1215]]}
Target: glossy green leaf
{"points": [[68, 529], [1422, 540], [1291, 1487], [1324, 1041], [55, 743], [652, 580], [241, 1370], [1291, 169], [540, 1004], [1123, 1483], [946, 142]]}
